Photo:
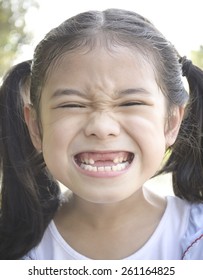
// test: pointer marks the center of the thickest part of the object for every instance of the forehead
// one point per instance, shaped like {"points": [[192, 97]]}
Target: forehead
{"points": [[101, 68]]}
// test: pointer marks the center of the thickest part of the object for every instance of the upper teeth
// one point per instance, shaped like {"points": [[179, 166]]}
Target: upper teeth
{"points": [[119, 159], [87, 161], [91, 161], [116, 160]]}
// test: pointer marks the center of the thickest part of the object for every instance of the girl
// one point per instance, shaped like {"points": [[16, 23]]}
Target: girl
{"points": [[96, 109]]}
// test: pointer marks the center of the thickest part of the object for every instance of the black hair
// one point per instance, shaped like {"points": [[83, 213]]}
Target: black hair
{"points": [[186, 155], [30, 196]]}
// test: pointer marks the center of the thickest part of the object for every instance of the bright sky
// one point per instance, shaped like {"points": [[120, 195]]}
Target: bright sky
{"points": [[181, 21]]}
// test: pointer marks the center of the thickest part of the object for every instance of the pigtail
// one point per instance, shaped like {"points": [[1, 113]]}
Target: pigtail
{"points": [[29, 196], [186, 160]]}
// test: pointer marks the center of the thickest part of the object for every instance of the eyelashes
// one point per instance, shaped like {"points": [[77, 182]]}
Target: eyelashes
{"points": [[75, 105], [72, 106], [128, 104]]}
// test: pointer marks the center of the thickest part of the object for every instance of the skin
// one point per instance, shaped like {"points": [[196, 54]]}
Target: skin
{"points": [[101, 113]]}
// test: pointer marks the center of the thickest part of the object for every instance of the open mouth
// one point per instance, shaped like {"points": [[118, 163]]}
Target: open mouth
{"points": [[97, 162]]}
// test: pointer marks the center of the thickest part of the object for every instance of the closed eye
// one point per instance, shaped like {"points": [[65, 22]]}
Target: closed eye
{"points": [[131, 104], [72, 106]]}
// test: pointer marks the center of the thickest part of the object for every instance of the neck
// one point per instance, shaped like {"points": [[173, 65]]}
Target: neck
{"points": [[95, 230], [98, 215]]}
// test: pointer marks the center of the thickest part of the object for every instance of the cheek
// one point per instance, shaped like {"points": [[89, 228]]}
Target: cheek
{"points": [[55, 143], [147, 133], [60, 127], [56, 139], [59, 134]]}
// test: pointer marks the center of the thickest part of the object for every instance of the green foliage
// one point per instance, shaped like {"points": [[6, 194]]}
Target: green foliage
{"points": [[197, 57], [12, 30]]}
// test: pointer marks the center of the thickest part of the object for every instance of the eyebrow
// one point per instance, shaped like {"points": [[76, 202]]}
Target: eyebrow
{"points": [[61, 92], [69, 92], [133, 91]]}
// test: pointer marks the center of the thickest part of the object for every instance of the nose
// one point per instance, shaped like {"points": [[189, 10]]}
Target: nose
{"points": [[102, 125]]}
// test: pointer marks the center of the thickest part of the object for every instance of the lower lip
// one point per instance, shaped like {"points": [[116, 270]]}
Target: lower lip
{"points": [[102, 174]]}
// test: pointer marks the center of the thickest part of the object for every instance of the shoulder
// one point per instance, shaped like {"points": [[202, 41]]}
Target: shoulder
{"points": [[192, 242], [28, 257], [51, 247], [44, 247]]}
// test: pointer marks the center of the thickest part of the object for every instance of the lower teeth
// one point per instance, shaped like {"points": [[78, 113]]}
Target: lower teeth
{"points": [[118, 167]]}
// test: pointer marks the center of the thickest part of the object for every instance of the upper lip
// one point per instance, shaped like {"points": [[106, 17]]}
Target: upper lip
{"points": [[103, 152]]}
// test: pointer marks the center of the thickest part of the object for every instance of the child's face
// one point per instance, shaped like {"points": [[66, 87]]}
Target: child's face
{"points": [[104, 123]]}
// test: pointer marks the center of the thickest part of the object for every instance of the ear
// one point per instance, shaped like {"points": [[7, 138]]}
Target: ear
{"points": [[173, 125], [33, 127]]}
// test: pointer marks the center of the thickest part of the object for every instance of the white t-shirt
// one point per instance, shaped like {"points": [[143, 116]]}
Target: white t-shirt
{"points": [[179, 235]]}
